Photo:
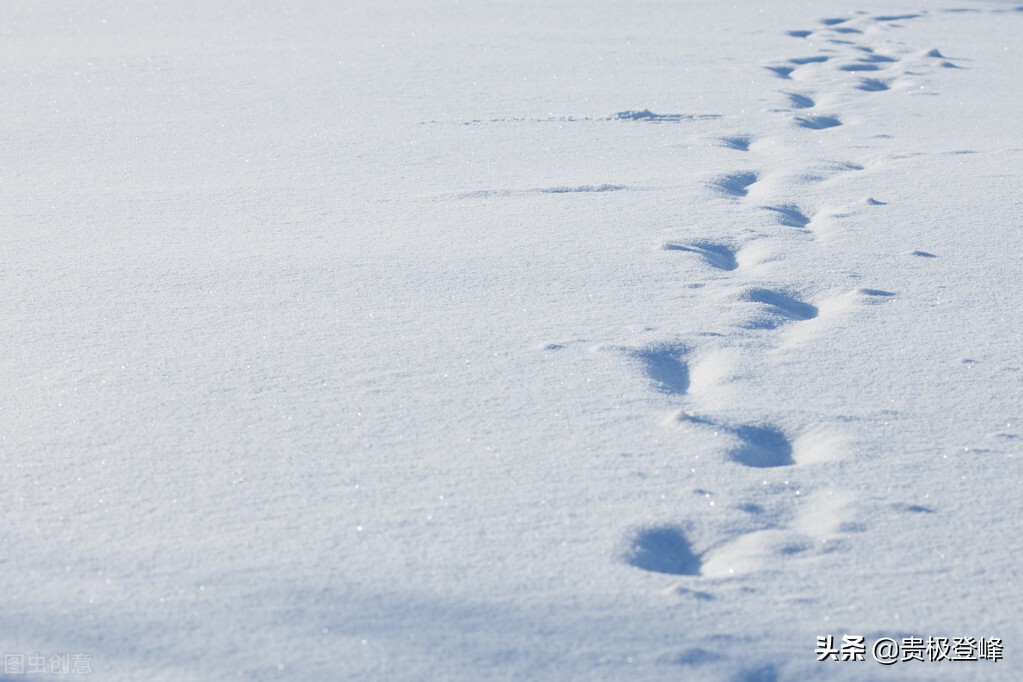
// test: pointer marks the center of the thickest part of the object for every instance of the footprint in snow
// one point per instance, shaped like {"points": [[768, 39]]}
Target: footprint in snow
{"points": [[896, 17], [758, 446], [660, 549], [776, 308], [815, 59], [817, 122], [872, 85], [761, 446], [665, 366], [874, 58], [859, 66], [912, 508], [735, 184], [716, 255], [797, 101], [738, 142], [784, 72], [788, 215]]}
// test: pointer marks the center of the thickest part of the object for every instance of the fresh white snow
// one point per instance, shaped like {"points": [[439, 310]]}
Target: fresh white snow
{"points": [[510, 340]]}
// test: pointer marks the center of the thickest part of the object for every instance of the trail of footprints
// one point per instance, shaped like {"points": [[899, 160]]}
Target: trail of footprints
{"points": [[774, 527]]}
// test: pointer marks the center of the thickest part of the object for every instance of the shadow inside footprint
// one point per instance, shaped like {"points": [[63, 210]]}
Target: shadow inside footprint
{"points": [[716, 255], [783, 304], [913, 508], [896, 17], [875, 58], [789, 215], [817, 59], [661, 549], [781, 71], [736, 184], [817, 122], [762, 447], [859, 67], [664, 365], [739, 142], [798, 101]]}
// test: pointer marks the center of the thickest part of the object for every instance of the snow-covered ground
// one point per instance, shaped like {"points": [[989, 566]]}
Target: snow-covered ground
{"points": [[510, 340]]}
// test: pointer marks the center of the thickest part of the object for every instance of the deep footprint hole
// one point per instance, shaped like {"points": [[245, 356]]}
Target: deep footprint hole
{"points": [[716, 255], [783, 304], [817, 122], [738, 142], [789, 215], [762, 447], [736, 184], [661, 549], [798, 101], [666, 368]]}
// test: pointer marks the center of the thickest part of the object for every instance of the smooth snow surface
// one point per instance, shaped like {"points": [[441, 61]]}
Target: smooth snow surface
{"points": [[510, 340]]}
